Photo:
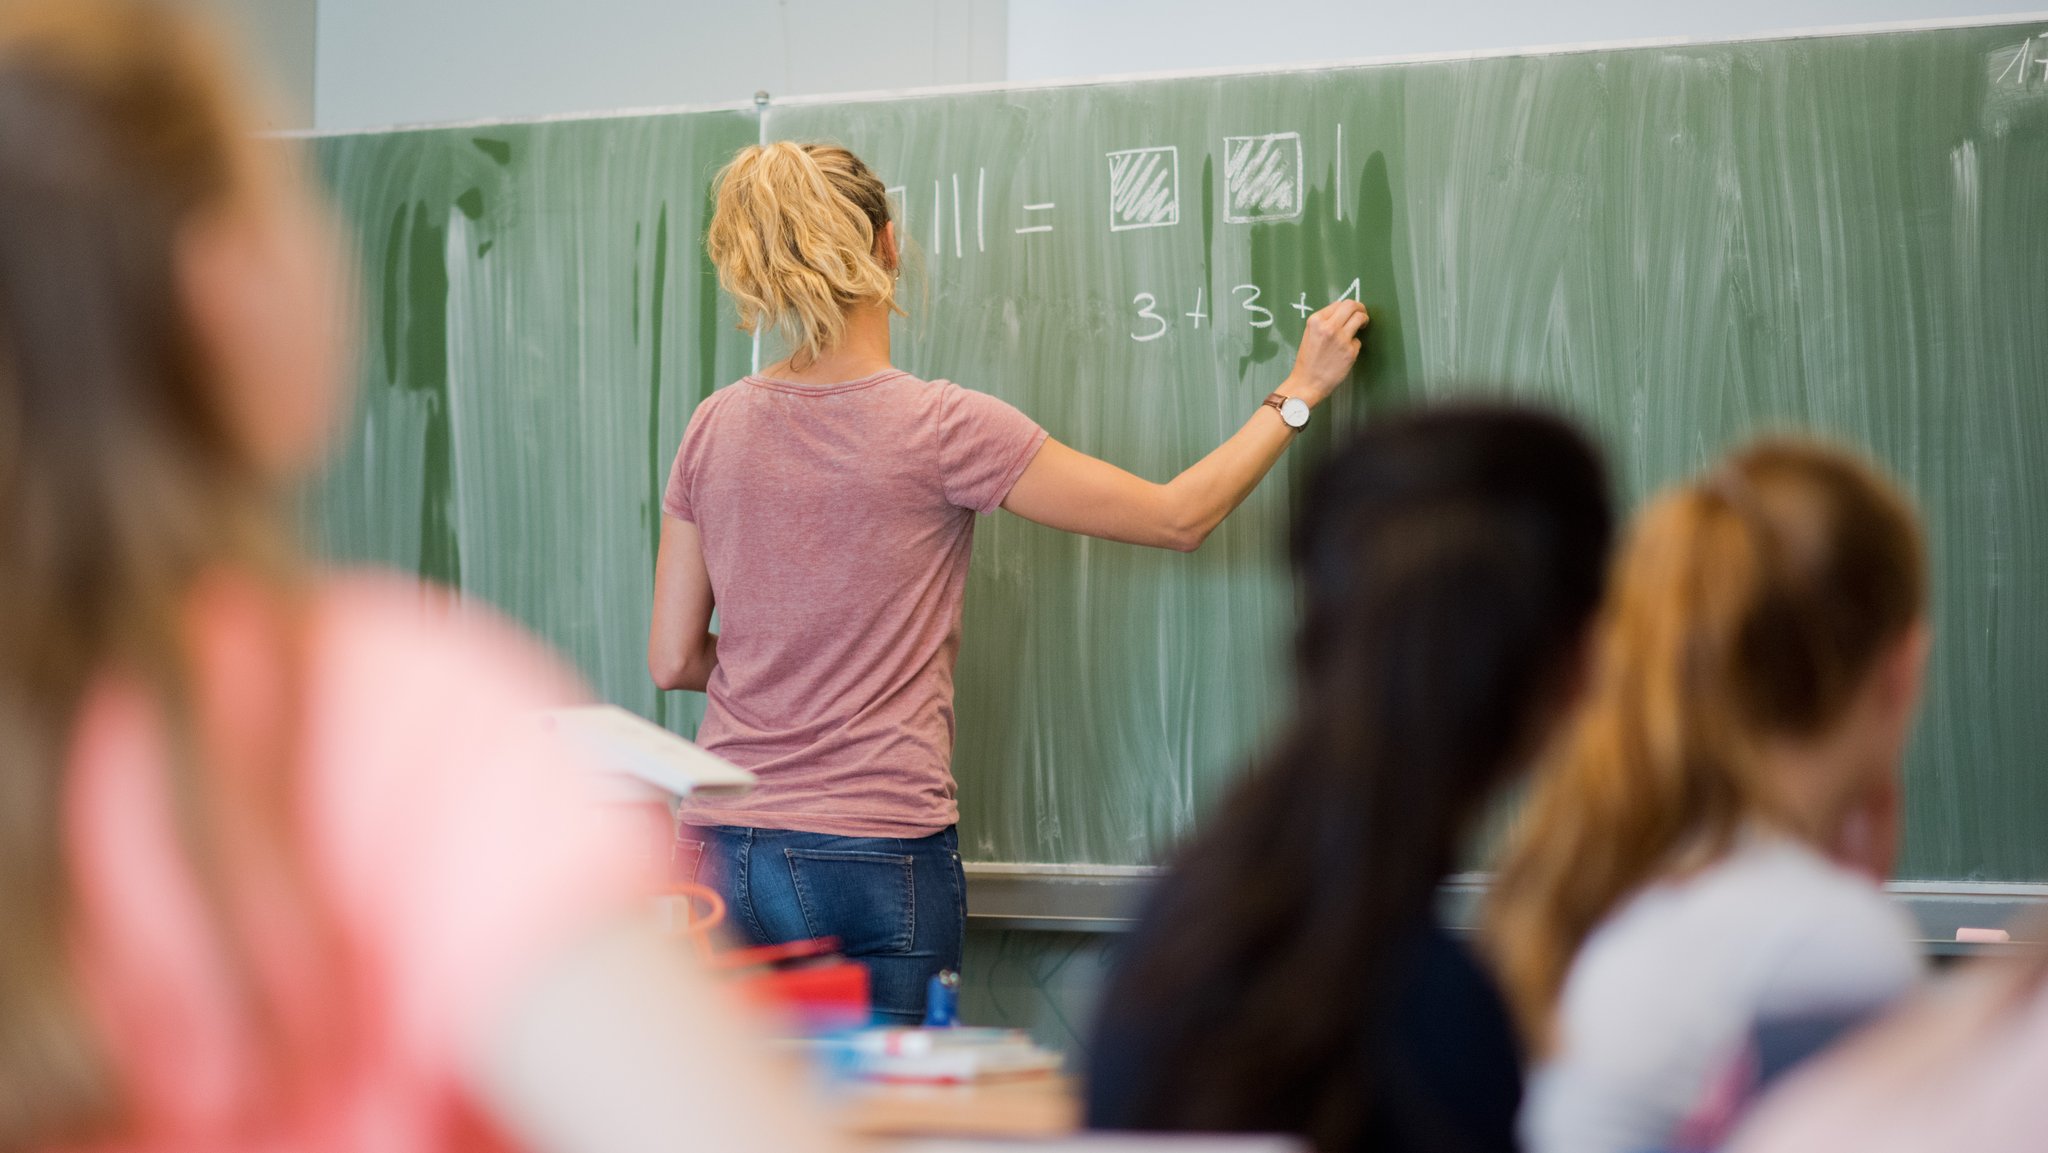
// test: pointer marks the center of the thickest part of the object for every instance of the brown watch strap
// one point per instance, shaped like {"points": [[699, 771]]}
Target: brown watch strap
{"points": [[1274, 402]]}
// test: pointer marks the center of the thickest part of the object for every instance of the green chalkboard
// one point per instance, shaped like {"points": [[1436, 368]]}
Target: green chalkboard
{"points": [[1682, 245], [539, 322]]}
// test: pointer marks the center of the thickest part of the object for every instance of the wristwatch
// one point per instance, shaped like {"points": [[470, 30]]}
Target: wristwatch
{"points": [[1292, 409]]}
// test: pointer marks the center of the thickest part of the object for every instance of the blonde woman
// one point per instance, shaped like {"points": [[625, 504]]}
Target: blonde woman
{"points": [[1695, 885], [253, 818], [825, 508]]}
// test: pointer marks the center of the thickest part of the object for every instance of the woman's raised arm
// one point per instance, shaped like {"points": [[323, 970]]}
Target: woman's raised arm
{"points": [[1075, 492]]}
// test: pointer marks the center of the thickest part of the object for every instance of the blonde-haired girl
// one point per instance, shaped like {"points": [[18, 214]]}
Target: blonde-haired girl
{"points": [[1701, 867], [825, 507]]}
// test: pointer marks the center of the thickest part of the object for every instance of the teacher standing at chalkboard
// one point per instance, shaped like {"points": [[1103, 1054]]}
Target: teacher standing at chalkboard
{"points": [[825, 507]]}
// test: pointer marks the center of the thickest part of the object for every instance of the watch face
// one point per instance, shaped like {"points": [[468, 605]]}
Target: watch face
{"points": [[1294, 411]]}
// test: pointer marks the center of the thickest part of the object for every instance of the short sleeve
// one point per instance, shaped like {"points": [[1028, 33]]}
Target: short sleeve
{"points": [[984, 446], [1852, 949]]}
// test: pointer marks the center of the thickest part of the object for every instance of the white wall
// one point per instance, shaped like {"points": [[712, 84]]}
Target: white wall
{"points": [[277, 37], [410, 61], [1052, 39], [407, 61]]}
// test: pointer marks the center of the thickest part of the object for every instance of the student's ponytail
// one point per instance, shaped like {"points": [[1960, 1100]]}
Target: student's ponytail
{"points": [[793, 237], [1745, 607]]}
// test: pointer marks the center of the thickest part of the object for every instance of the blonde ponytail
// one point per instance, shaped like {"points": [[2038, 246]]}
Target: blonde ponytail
{"points": [[793, 238], [1746, 606]]}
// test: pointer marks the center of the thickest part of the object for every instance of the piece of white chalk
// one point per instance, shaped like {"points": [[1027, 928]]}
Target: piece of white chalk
{"points": [[1983, 936]]}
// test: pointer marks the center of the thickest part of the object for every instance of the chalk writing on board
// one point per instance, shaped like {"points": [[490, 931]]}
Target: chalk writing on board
{"points": [[1144, 188], [1350, 292], [1262, 177], [1145, 302], [1339, 171], [1149, 325], [2025, 61], [1252, 305], [1048, 206], [959, 214]]}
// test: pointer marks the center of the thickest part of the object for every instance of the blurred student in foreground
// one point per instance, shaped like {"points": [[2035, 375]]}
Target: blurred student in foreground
{"points": [[1963, 1067], [1694, 891], [1291, 975], [280, 867]]}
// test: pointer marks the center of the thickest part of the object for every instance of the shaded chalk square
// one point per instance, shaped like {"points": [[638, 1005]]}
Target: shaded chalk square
{"points": [[1262, 177]]}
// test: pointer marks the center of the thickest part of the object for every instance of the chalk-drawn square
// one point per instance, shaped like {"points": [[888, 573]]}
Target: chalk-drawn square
{"points": [[1144, 188], [1262, 177]]}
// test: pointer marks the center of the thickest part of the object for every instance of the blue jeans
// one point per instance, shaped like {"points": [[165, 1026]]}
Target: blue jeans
{"points": [[897, 906]]}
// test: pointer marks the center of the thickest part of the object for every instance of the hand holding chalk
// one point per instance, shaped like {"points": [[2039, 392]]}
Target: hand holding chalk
{"points": [[1329, 347]]}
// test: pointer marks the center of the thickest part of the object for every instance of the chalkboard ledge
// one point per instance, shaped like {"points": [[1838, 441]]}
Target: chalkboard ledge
{"points": [[1105, 899]]}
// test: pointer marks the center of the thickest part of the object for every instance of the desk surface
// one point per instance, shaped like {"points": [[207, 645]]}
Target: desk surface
{"points": [[990, 1117], [1035, 1107]]}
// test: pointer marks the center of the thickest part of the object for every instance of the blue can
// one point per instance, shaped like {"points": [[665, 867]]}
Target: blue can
{"points": [[942, 1000]]}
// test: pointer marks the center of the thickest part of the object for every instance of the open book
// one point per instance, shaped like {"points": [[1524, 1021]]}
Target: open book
{"points": [[642, 755]]}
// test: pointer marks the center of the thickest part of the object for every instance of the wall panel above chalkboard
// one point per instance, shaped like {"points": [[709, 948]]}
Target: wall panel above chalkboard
{"points": [[1681, 244]]}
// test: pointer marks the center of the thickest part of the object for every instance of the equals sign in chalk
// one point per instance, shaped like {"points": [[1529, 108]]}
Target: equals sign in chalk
{"points": [[1048, 206]]}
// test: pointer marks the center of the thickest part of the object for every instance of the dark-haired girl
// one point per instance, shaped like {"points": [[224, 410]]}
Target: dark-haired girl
{"points": [[1290, 974]]}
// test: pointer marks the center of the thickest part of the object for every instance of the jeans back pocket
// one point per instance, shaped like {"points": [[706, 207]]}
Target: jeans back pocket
{"points": [[868, 901]]}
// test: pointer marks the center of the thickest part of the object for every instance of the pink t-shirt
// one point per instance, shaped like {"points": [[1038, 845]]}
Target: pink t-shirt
{"points": [[837, 521], [446, 841]]}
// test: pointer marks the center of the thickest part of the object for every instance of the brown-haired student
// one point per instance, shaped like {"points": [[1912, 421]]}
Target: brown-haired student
{"points": [[1695, 882], [254, 893]]}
